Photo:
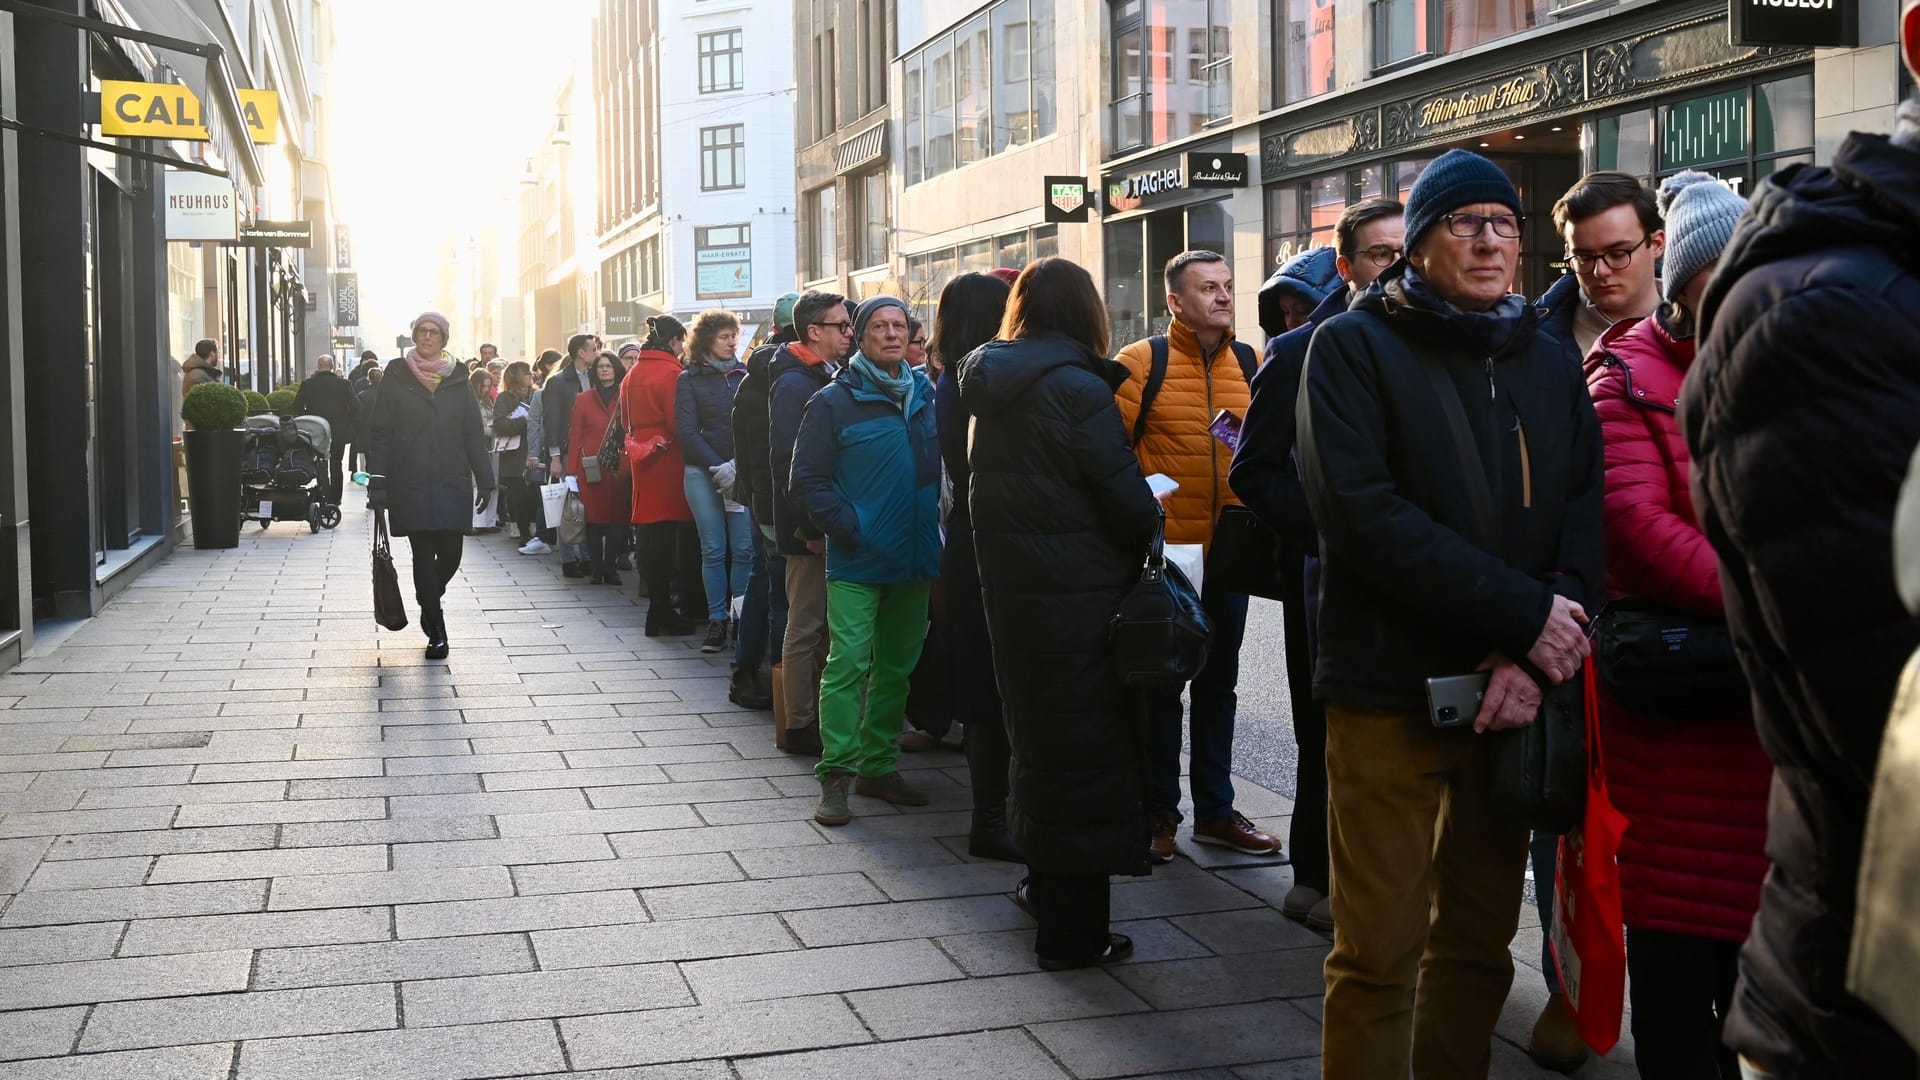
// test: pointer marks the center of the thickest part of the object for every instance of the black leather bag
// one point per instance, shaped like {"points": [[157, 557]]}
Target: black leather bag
{"points": [[1660, 661], [389, 610], [1247, 557], [1160, 633]]}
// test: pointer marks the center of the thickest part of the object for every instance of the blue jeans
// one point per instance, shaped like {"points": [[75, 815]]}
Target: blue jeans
{"points": [[1545, 849], [763, 615], [1211, 773], [723, 533]]}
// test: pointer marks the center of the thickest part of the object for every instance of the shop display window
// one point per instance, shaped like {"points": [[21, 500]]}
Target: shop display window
{"points": [[1304, 64], [929, 272], [1739, 134]]}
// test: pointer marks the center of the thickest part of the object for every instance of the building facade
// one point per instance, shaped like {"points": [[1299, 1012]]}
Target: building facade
{"points": [[558, 263], [846, 124]]}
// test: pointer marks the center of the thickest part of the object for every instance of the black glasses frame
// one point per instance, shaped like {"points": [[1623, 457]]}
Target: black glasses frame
{"points": [[1476, 222], [1584, 264]]}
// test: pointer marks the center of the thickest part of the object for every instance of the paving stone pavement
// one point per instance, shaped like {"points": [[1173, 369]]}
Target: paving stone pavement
{"points": [[245, 834]]}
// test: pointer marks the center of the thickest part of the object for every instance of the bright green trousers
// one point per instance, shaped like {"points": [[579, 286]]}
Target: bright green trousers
{"points": [[876, 633]]}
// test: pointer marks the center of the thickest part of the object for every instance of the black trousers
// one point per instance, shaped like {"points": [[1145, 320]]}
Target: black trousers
{"points": [[659, 550], [605, 543], [436, 558], [1073, 913], [336, 470], [1682, 987], [1308, 835], [521, 502]]}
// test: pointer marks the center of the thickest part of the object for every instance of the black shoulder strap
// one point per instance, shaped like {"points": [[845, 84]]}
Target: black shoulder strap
{"points": [[1249, 363], [1156, 375], [1485, 514]]}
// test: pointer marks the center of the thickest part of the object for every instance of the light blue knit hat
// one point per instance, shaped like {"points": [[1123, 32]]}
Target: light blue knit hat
{"points": [[1700, 212]]}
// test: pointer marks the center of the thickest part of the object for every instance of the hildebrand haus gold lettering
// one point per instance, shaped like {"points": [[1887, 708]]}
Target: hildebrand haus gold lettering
{"points": [[1516, 91]]}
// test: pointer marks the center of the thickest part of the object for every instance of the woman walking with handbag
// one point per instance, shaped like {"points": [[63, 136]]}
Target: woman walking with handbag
{"points": [[703, 415], [600, 488], [1061, 522], [658, 469], [1692, 781], [427, 452]]}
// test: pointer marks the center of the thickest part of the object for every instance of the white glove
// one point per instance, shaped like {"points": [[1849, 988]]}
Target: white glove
{"points": [[723, 478]]}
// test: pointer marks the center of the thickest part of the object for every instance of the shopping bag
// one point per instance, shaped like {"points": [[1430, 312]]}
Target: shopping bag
{"points": [[1588, 934], [573, 521], [1192, 561], [389, 610], [553, 500]]}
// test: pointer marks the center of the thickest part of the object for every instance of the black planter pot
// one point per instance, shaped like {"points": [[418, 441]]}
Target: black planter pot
{"points": [[213, 486]]}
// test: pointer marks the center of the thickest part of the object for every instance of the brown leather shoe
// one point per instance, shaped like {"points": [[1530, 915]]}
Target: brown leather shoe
{"points": [[803, 741], [1161, 848], [1556, 1044], [914, 741], [1236, 832]]}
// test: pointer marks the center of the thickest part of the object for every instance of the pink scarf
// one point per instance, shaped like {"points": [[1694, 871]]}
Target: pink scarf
{"points": [[429, 372]]}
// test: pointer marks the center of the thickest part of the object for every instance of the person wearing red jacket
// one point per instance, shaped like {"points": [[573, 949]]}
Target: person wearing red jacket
{"points": [[657, 467], [1693, 788]]}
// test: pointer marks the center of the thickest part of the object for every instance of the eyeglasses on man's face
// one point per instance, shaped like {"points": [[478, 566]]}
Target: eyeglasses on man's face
{"points": [[840, 327], [1616, 258], [1380, 254], [1469, 225]]}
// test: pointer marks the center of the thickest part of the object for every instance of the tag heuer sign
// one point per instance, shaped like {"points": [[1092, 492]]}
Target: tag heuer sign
{"points": [[1067, 198], [1794, 22]]}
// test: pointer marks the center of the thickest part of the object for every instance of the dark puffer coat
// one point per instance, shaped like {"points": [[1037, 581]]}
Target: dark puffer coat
{"points": [[703, 413], [751, 400], [1061, 521], [432, 447], [1802, 411]]}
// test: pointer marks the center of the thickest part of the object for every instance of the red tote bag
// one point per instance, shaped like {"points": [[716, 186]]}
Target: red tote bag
{"points": [[1589, 934]]}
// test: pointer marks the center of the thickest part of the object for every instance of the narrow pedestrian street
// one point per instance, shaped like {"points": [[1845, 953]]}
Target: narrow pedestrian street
{"points": [[245, 833]]}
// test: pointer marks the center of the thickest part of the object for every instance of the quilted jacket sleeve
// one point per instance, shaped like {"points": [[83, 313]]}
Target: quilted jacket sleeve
{"points": [[816, 460], [1654, 547]]}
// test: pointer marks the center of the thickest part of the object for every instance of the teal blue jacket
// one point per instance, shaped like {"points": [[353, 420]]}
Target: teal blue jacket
{"points": [[869, 478]]}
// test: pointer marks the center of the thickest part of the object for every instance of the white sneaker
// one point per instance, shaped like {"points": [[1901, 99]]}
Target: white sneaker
{"points": [[536, 546]]}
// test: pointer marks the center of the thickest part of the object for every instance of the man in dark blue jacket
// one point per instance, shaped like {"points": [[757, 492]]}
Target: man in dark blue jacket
{"points": [[1369, 237], [800, 370], [763, 615], [866, 469]]}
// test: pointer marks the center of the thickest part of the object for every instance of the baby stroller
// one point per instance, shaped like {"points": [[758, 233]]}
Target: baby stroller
{"points": [[283, 471]]}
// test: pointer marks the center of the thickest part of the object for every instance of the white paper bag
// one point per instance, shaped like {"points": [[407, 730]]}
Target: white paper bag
{"points": [[1191, 559], [553, 499]]}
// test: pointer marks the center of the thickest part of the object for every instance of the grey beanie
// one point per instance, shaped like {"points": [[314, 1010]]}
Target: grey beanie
{"points": [[1700, 212], [865, 312]]}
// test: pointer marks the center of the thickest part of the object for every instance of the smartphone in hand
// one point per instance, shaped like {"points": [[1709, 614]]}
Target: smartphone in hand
{"points": [[1226, 428], [1454, 700]]}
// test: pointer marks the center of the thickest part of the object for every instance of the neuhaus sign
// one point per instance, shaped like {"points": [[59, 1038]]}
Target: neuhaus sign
{"points": [[1794, 22]]}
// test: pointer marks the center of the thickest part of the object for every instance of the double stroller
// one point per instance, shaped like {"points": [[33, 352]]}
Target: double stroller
{"points": [[283, 471]]}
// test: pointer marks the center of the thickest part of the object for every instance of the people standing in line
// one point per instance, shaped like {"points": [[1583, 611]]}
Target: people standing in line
{"points": [[972, 309], [482, 383], [543, 530], [657, 468], [428, 454], [917, 355], [1061, 518], [556, 423], [358, 377], [1802, 413], [1204, 372], [1369, 237], [799, 371], [1289, 299], [364, 399], [763, 615], [204, 367], [328, 396], [488, 353], [866, 471], [1423, 576], [544, 364], [703, 413], [512, 416], [1686, 783], [604, 500]]}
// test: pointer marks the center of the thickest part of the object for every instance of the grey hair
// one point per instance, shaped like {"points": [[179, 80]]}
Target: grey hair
{"points": [[1177, 266]]}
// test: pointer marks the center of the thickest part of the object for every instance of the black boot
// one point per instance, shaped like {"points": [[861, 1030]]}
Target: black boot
{"points": [[988, 757], [745, 690], [434, 621]]}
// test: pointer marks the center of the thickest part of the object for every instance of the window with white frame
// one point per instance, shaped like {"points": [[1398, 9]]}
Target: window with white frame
{"points": [[721, 66], [723, 157]]}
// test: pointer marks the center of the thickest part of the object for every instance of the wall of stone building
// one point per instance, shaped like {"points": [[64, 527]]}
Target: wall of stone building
{"points": [[1858, 89]]}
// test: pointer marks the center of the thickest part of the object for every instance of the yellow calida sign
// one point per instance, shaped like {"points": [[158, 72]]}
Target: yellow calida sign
{"points": [[171, 111]]}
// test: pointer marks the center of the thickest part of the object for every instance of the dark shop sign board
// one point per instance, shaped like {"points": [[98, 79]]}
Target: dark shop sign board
{"points": [[1795, 22]]}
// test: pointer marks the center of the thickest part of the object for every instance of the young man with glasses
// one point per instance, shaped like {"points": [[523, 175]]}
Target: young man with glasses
{"points": [[1370, 236], [1435, 361], [800, 370], [1614, 238]]}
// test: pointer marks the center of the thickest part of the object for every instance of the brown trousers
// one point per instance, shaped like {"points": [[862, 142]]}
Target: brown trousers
{"points": [[1426, 898], [803, 654]]}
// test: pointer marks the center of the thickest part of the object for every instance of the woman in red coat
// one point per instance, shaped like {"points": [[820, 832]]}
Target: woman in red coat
{"points": [[1693, 788], [605, 499], [658, 469]]}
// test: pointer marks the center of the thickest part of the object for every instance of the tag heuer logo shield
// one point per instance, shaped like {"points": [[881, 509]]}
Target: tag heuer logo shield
{"points": [[1069, 197]]}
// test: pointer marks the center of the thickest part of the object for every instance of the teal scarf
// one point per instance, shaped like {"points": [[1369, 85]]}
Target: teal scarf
{"points": [[898, 387]]}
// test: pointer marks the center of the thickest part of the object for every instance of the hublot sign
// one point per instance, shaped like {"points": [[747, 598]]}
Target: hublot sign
{"points": [[1795, 22]]}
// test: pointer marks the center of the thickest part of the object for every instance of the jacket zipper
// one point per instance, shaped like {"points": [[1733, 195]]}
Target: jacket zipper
{"points": [[1526, 456], [1213, 444]]}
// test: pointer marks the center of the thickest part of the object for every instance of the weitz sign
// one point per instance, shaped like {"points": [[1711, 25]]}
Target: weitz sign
{"points": [[201, 206], [1066, 198], [1794, 22]]}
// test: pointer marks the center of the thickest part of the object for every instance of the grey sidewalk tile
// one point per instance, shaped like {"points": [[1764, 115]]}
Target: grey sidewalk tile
{"points": [[281, 862], [383, 786], [656, 873], [281, 811], [649, 755], [210, 723], [740, 769], [487, 803], [287, 770], [209, 1062], [934, 882], [1195, 1038], [580, 725], [783, 835], [1250, 930], [391, 961], [518, 913], [100, 778], [59, 944], [818, 971], [999, 1054], [1227, 980], [514, 852], [40, 1032], [469, 763], [56, 823], [34, 802], [710, 1031], [181, 794], [86, 981], [1151, 899], [916, 918], [1304, 1068], [266, 930], [373, 747], [412, 830], [907, 1012], [162, 842], [389, 887], [266, 1014], [830, 891], [453, 1053], [1010, 952], [487, 741], [206, 755], [73, 759], [844, 858], [135, 902], [679, 1070], [164, 740], [575, 778], [904, 826], [18, 859], [91, 873], [767, 811], [536, 994], [632, 819], [689, 939]]}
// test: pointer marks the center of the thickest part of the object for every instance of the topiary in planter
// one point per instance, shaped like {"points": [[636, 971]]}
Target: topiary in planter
{"points": [[281, 400], [257, 403], [214, 406]]}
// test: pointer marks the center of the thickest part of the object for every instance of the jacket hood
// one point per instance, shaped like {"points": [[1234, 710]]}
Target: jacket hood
{"points": [[1311, 275], [995, 375], [1870, 196], [784, 361], [199, 363]]}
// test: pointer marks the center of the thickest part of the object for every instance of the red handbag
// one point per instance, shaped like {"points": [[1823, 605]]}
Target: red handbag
{"points": [[1589, 934]]}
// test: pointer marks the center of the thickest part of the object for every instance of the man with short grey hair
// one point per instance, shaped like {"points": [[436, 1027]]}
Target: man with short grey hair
{"points": [[327, 395]]}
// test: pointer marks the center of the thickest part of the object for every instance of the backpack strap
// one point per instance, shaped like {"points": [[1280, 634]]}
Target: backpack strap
{"points": [[1156, 375], [1249, 363]]}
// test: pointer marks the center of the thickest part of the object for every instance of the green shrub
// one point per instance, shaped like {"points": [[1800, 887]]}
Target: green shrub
{"points": [[213, 406], [257, 403], [281, 400]]}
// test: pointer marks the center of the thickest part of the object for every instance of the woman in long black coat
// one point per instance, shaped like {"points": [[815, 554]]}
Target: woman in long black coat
{"points": [[1061, 523], [427, 451]]}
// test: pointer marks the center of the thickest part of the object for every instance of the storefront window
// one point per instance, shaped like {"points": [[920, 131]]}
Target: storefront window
{"points": [[1783, 115], [823, 222], [1172, 71], [874, 221], [939, 74], [972, 92], [1046, 242], [980, 90], [1012, 75], [1304, 56], [976, 258], [1738, 134], [1625, 143], [1302, 214], [1011, 251], [1404, 30], [1126, 282]]}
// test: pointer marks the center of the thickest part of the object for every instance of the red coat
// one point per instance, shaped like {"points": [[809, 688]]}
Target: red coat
{"points": [[1694, 791], [606, 501], [646, 403]]}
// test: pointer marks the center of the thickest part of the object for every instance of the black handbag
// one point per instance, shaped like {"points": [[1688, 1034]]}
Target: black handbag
{"points": [[1660, 661], [389, 610], [1160, 633], [1247, 557]]}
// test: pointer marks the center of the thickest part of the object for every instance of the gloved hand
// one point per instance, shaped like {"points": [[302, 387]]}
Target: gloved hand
{"points": [[376, 493], [724, 475], [485, 500]]}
